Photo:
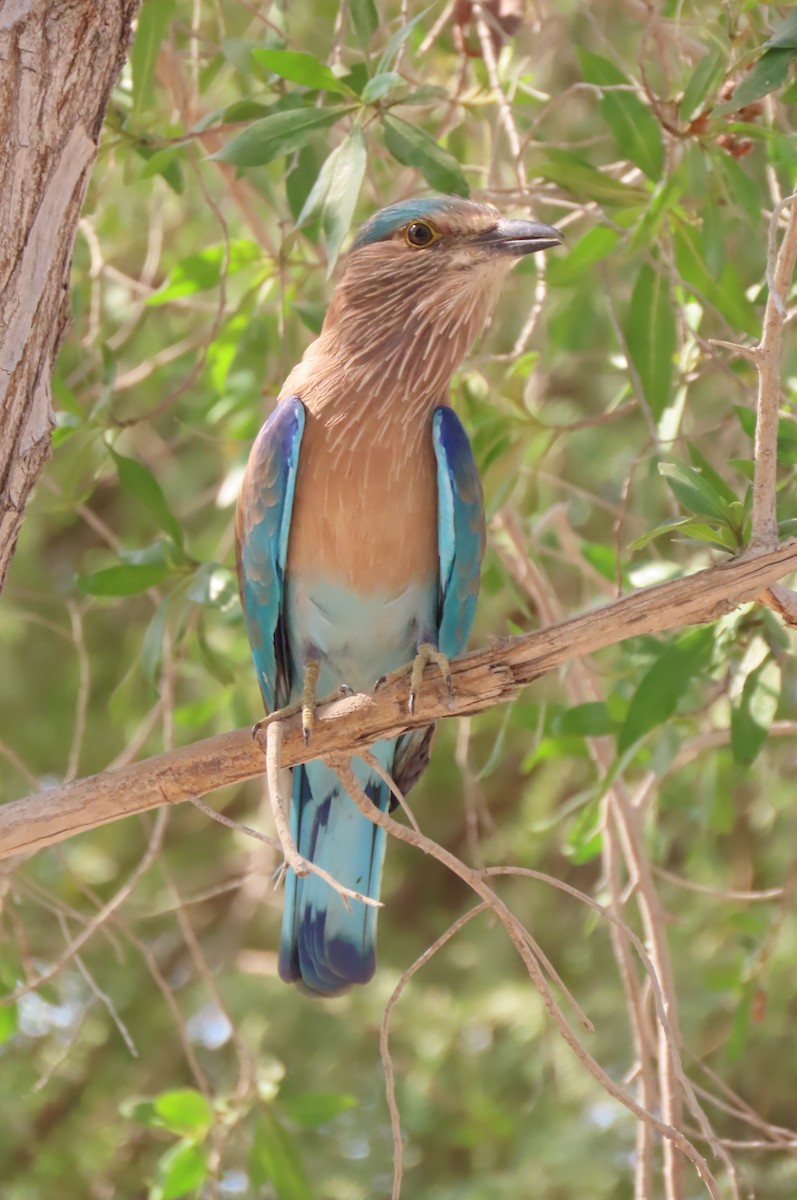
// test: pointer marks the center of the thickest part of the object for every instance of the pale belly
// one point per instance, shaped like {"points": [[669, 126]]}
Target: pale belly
{"points": [[356, 639]]}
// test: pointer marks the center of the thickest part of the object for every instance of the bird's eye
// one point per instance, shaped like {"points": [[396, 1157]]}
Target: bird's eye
{"points": [[420, 234]]}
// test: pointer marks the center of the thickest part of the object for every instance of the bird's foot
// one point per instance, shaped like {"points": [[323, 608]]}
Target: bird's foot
{"points": [[427, 653], [307, 704]]}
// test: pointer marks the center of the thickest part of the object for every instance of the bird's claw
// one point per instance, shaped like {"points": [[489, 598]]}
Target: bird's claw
{"points": [[427, 653]]}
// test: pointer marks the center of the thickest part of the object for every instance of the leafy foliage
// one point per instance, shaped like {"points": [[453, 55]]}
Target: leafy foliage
{"points": [[243, 142]]}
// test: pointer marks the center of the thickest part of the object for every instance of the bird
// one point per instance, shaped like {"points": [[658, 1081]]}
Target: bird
{"points": [[360, 534]]}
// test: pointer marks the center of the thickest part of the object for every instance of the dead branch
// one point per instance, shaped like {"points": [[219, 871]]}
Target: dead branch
{"points": [[481, 680]]}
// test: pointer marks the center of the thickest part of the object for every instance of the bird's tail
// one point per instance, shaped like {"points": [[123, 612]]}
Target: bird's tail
{"points": [[323, 947]]}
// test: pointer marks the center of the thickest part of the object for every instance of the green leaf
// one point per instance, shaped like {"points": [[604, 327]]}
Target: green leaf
{"points": [[754, 711], [126, 580], [663, 200], [784, 34], [694, 491], [666, 527], [663, 686], [740, 1025], [584, 839], [335, 191], [278, 134], [706, 78], [651, 337], [164, 162], [315, 1108], [275, 1157], [300, 68], [153, 21], [700, 461], [9, 1021], [138, 481], [397, 41], [181, 1170], [381, 85], [636, 130], [141, 1110], [766, 76], [203, 270], [726, 295], [595, 245], [344, 188], [184, 1111], [414, 147], [585, 720], [364, 20], [578, 176]]}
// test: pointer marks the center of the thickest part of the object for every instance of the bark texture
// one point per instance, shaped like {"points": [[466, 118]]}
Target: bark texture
{"points": [[59, 60]]}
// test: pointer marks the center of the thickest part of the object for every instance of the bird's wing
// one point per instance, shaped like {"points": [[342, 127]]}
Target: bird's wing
{"points": [[460, 530], [460, 547], [262, 526]]}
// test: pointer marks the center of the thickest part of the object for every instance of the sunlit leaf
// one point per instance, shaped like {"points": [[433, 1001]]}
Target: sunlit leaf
{"points": [[203, 270], [180, 1170], [184, 1111], [9, 1021], [300, 68]]}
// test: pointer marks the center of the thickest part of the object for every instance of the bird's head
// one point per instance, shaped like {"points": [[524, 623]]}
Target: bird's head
{"points": [[420, 280]]}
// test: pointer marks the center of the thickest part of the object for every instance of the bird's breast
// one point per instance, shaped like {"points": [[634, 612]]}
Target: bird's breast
{"points": [[365, 508]]}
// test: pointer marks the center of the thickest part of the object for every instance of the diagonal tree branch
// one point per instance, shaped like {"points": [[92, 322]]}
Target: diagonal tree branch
{"points": [[481, 680]]}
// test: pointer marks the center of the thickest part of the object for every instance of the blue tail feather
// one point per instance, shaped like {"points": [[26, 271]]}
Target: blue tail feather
{"points": [[324, 948]]}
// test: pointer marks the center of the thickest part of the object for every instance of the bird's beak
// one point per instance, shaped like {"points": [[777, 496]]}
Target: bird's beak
{"points": [[517, 238]]}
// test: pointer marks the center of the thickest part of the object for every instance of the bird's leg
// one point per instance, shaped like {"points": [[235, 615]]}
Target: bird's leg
{"points": [[427, 653], [293, 710], [309, 698]]}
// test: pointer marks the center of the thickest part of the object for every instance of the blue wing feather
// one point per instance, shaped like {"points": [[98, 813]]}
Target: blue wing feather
{"points": [[263, 525], [460, 530]]}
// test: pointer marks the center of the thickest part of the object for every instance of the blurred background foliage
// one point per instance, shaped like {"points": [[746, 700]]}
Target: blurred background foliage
{"points": [[615, 443]]}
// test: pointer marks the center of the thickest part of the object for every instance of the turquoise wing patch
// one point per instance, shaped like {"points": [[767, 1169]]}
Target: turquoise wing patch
{"points": [[263, 524], [460, 530]]}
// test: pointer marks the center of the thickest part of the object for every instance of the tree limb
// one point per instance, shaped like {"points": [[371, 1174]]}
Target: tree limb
{"points": [[481, 680]]}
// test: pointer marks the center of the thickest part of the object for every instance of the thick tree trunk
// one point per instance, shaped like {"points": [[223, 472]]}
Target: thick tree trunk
{"points": [[59, 60]]}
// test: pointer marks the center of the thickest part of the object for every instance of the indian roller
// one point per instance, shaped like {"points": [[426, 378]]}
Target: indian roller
{"points": [[360, 534]]}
